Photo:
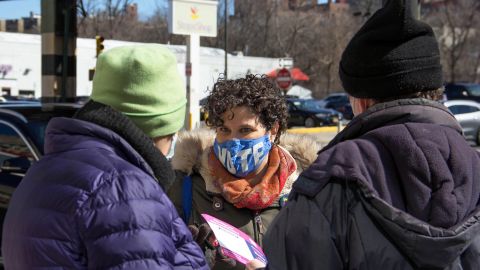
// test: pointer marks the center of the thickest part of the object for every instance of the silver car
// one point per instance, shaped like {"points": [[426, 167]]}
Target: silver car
{"points": [[468, 115]]}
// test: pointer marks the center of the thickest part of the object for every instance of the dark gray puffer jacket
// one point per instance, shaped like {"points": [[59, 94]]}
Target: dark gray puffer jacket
{"points": [[399, 188]]}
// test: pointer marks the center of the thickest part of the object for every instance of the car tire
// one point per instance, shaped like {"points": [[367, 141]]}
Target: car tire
{"points": [[309, 122]]}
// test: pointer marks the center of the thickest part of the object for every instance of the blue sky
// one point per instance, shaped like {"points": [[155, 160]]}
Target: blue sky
{"points": [[22, 8]]}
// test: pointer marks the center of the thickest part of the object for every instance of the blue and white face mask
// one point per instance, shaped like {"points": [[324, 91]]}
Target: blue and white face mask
{"points": [[242, 156]]}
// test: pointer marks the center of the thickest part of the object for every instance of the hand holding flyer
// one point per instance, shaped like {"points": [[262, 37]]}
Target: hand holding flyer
{"points": [[235, 243]]}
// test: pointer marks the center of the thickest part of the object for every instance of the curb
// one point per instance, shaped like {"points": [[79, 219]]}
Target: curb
{"points": [[312, 130]]}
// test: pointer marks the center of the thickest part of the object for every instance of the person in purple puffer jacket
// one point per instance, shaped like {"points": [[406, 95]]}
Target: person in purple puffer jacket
{"points": [[97, 200]]}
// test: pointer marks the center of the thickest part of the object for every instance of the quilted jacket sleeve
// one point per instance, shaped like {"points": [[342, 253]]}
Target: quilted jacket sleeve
{"points": [[129, 223]]}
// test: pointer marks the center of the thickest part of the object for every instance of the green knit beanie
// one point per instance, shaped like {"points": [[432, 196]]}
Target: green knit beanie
{"points": [[143, 83]]}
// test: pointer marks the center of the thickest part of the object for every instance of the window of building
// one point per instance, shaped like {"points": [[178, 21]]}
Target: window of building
{"points": [[6, 91], [26, 93]]}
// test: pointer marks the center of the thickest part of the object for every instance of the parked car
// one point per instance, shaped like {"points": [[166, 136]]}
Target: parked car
{"points": [[338, 102], [332, 97], [203, 112], [341, 106], [468, 115], [464, 91], [308, 113], [22, 132]]}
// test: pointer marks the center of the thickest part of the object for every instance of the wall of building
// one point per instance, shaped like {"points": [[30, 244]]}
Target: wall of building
{"points": [[20, 54]]}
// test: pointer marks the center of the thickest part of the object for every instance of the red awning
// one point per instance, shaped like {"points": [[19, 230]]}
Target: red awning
{"points": [[296, 73]]}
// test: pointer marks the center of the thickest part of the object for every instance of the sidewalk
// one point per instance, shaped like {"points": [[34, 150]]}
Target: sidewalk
{"points": [[322, 135]]}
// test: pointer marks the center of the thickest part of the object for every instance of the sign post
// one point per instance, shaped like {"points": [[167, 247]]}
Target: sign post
{"points": [[284, 79], [194, 18]]}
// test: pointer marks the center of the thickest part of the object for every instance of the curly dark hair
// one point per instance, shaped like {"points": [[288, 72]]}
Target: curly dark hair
{"points": [[256, 92]]}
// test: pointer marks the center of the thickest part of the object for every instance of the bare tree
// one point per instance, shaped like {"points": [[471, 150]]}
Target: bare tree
{"points": [[85, 12], [475, 56], [364, 8], [112, 19], [313, 35], [455, 23]]}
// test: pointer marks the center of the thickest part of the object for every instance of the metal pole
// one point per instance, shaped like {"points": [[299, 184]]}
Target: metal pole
{"points": [[188, 116], [339, 124], [193, 58], [226, 39], [66, 13]]}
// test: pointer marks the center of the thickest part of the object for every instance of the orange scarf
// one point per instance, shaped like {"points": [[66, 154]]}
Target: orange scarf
{"points": [[241, 193]]}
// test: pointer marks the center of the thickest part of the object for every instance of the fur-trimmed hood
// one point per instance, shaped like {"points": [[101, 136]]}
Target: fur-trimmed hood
{"points": [[193, 147]]}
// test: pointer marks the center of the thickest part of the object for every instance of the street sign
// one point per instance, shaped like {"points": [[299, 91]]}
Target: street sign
{"points": [[284, 79], [187, 17], [286, 62]]}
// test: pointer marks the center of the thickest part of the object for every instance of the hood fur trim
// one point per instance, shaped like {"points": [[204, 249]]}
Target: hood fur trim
{"points": [[193, 147]]}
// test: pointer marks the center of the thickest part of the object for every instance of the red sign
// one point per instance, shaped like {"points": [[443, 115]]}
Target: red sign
{"points": [[284, 79]]}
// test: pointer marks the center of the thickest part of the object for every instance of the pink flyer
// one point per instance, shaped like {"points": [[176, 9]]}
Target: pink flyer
{"points": [[235, 243]]}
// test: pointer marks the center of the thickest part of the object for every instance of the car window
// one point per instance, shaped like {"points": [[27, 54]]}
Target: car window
{"points": [[337, 98], [311, 105], [453, 92], [344, 99], [301, 105], [461, 109], [38, 120], [297, 104], [37, 132], [291, 107], [474, 90], [332, 98], [12, 145]]}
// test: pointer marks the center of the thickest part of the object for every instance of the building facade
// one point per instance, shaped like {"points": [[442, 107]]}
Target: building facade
{"points": [[28, 25], [20, 64]]}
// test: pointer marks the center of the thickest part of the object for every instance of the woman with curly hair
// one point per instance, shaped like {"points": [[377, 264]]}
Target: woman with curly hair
{"points": [[242, 172]]}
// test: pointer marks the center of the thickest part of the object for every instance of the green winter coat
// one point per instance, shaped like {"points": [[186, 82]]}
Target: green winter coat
{"points": [[191, 158]]}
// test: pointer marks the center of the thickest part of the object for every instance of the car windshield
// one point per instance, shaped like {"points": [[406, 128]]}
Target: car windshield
{"points": [[474, 90], [310, 105]]}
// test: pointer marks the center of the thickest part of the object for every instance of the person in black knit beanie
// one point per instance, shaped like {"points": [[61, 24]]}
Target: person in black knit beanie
{"points": [[398, 187], [392, 55]]}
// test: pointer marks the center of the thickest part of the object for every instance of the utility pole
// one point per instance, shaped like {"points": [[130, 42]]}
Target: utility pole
{"points": [[66, 25], [59, 34], [226, 39]]}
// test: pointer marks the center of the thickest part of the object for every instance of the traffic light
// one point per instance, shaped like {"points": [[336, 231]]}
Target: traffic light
{"points": [[100, 46]]}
